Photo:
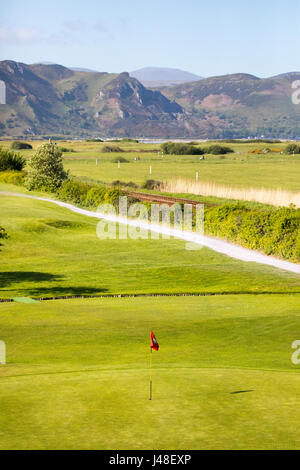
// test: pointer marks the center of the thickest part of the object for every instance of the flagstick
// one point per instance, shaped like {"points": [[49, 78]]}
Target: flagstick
{"points": [[150, 374]]}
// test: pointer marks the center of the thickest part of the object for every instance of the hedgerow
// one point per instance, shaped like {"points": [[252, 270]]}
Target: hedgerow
{"points": [[174, 148], [275, 232], [88, 195], [12, 177]]}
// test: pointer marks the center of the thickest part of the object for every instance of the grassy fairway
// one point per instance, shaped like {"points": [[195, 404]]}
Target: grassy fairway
{"points": [[77, 374], [255, 171], [239, 169], [52, 251]]}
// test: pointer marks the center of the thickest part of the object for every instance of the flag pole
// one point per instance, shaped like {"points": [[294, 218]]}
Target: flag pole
{"points": [[150, 374]]}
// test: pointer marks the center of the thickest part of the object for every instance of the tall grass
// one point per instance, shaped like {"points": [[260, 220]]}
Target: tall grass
{"points": [[275, 197]]}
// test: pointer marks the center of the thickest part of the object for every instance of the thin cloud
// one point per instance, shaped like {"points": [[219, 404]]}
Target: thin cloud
{"points": [[18, 35], [70, 32]]}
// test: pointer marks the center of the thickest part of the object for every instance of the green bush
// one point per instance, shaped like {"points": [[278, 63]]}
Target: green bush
{"points": [[111, 148], [112, 196], [218, 150], [174, 148], [120, 159], [66, 149], [12, 177], [95, 196], [275, 232], [151, 184], [74, 191], [3, 234], [17, 145], [46, 171], [85, 194], [292, 148], [129, 184], [11, 161]]}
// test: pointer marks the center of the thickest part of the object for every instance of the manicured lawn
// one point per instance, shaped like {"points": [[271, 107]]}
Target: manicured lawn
{"points": [[52, 251], [77, 373]]}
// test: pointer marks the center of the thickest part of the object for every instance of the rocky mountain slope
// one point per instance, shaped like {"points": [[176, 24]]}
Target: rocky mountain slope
{"points": [[240, 105], [54, 100], [47, 99]]}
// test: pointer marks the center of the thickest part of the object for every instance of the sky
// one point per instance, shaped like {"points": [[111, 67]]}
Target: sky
{"points": [[208, 38]]}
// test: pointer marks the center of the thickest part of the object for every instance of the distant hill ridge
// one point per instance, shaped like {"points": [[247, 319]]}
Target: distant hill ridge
{"points": [[158, 76], [50, 99]]}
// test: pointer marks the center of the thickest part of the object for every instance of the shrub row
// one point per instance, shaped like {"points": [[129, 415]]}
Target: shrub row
{"points": [[12, 177], [89, 195], [276, 232], [174, 148]]}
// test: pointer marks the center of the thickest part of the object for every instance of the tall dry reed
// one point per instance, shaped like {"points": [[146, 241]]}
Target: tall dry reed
{"points": [[275, 197]]}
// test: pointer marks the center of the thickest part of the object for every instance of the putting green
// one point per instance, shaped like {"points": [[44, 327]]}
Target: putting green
{"points": [[77, 373]]}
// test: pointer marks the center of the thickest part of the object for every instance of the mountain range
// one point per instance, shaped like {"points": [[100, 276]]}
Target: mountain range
{"points": [[49, 99]]}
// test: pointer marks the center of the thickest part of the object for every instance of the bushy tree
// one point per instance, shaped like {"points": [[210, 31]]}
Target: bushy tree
{"points": [[11, 161], [46, 171], [292, 148]]}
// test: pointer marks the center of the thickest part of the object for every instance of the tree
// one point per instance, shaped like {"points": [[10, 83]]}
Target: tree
{"points": [[46, 171]]}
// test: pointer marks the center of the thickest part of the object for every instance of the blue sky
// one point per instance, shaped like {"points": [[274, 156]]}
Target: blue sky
{"points": [[211, 37]]}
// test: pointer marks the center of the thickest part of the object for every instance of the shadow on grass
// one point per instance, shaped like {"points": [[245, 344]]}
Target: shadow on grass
{"points": [[55, 291], [241, 391], [8, 278]]}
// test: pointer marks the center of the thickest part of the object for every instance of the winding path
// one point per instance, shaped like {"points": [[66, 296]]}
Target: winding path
{"points": [[220, 246]]}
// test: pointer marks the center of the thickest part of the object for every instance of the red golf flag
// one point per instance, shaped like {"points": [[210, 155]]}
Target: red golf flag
{"points": [[154, 344]]}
